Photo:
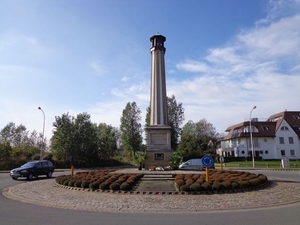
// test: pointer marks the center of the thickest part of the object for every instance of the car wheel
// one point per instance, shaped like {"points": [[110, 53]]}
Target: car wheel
{"points": [[49, 174], [14, 178], [30, 176]]}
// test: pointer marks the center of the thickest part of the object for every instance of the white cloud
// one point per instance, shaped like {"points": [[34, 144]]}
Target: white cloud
{"points": [[97, 68], [251, 69], [125, 78], [193, 66]]}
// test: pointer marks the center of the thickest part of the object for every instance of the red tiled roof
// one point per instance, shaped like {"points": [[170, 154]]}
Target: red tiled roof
{"points": [[291, 117], [266, 128]]}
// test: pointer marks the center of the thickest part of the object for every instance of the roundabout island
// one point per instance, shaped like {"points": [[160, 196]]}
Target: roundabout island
{"points": [[51, 194]]}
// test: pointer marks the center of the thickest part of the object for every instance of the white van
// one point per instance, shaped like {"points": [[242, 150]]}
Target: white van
{"points": [[193, 164]]}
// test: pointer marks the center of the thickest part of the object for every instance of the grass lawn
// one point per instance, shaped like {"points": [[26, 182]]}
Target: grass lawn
{"points": [[260, 164]]}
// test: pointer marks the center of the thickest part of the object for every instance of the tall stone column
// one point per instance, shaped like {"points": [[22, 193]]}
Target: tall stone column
{"points": [[159, 149]]}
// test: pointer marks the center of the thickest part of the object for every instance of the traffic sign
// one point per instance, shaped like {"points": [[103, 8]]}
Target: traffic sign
{"points": [[221, 159], [207, 161]]}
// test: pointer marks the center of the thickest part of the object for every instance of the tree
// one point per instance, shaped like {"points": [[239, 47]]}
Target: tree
{"points": [[15, 135], [22, 144], [131, 129], [106, 140], [85, 140], [175, 119], [63, 139], [196, 137], [139, 158], [75, 137]]}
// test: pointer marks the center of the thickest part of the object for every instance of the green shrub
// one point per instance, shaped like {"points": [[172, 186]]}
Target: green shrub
{"points": [[65, 182], [125, 186], [78, 183], [114, 186], [189, 181], [104, 185], [206, 186], [226, 184], [184, 187], [195, 187], [179, 183], [254, 182], [85, 184], [94, 185], [218, 186], [244, 183], [235, 185], [71, 183]]}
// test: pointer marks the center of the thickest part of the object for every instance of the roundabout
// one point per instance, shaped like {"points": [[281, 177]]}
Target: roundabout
{"points": [[48, 193]]}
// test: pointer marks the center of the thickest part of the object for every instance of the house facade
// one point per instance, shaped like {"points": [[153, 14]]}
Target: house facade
{"points": [[276, 138]]}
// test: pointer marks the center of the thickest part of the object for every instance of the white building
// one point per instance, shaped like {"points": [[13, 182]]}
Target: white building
{"points": [[276, 138]]}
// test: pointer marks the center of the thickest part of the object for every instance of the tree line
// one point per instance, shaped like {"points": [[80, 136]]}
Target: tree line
{"points": [[94, 145]]}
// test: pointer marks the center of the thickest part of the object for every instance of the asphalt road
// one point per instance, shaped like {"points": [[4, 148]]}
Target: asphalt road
{"points": [[14, 213]]}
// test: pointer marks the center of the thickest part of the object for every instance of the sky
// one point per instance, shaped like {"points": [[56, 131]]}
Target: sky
{"points": [[73, 56]]}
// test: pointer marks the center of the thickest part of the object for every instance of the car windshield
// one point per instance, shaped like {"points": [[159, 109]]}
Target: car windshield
{"points": [[29, 164]]}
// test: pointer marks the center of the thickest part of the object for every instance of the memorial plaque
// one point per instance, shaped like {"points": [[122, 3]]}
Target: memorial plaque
{"points": [[159, 139], [159, 156]]}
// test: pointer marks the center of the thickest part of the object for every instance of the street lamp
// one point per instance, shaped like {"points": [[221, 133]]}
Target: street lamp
{"points": [[41, 157], [254, 107]]}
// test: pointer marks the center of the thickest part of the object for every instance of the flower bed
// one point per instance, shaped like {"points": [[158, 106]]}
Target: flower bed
{"points": [[219, 180], [100, 179]]}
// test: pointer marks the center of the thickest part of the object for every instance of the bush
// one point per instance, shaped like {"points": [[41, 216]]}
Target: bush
{"points": [[94, 185], [195, 187], [218, 186], [184, 187], [206, 186], [244, 183], [115, 186], [85, 184], [125, 186], [65, 182], [71, 183], [179, 183], [235, 185], [226, 184], [78, 183], [189, 181], [104, 185]]}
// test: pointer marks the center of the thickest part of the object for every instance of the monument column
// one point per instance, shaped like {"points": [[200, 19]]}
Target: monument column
{"points": [[158, 150]]}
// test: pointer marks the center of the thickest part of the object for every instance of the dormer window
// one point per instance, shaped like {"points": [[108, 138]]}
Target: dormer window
{"points": [[297, 128], [297, 117], [265, 128]]}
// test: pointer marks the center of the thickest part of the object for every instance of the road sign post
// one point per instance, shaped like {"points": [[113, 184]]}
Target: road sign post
{"points": [[207, 161], [221, 160]]}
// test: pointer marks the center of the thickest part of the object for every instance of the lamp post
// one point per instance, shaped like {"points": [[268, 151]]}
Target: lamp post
{"points": [[41, 157], [251, 141]]}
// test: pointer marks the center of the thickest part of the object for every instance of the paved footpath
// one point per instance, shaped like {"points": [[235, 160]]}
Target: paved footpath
{"points": [[48, 193]]}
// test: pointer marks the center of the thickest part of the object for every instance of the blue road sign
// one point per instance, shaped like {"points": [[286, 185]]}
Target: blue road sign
{"points": [[207, 161]]}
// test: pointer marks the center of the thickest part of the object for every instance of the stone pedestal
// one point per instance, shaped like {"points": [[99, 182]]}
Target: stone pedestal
{"points": [[159, 151]]}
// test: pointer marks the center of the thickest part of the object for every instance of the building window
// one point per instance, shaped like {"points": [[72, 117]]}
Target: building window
{"points": [[266, 152], [281, 140], [265, 128], [255, 143], [291, 140], [292, 152], [297, 117], [297, 128], [282, 152], [284, 128]]}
